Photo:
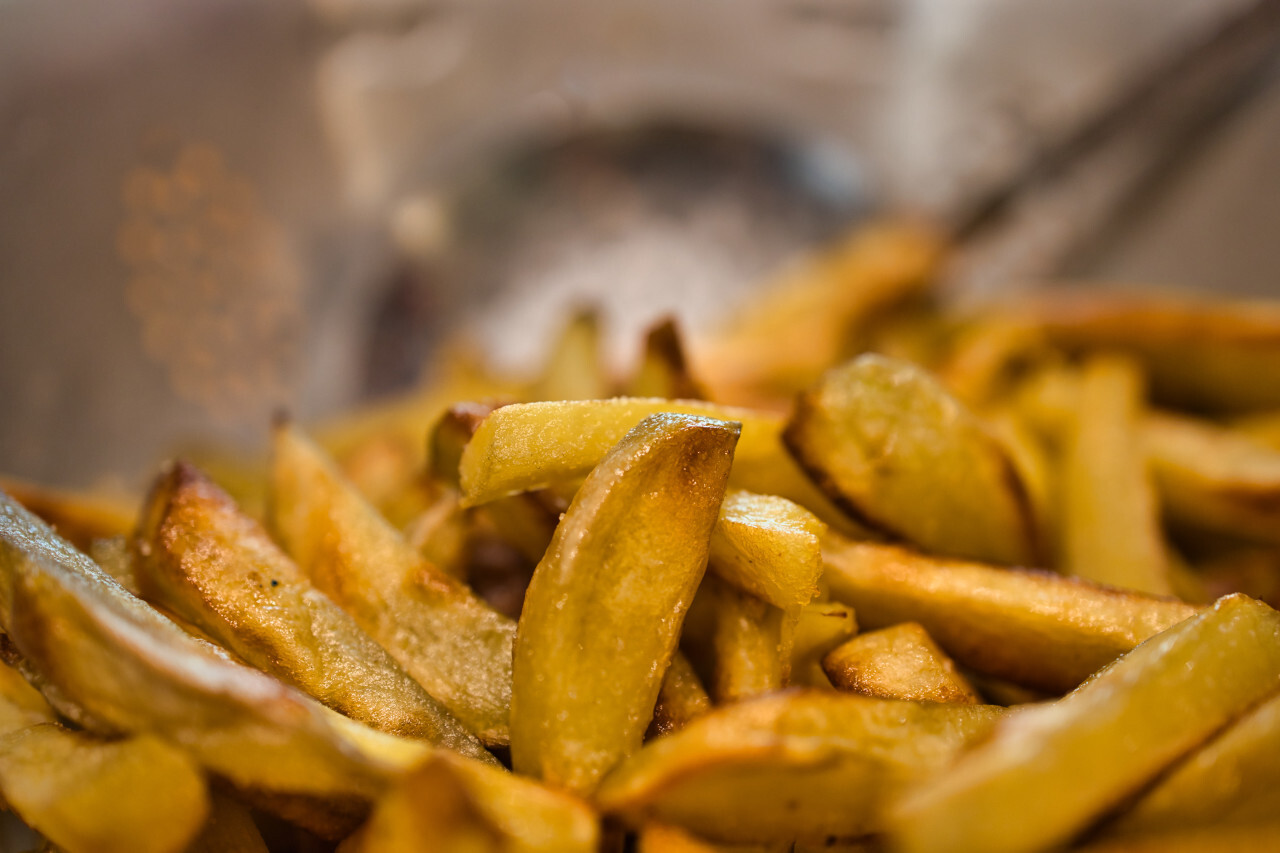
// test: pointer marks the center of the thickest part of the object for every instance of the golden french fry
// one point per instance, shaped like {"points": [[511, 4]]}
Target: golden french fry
{"points": [[819, 628], [602, 615], [899, 662], [449, 436], [446, 638], [529, 446], [229, 829], [107, 660], [663, 369], [986, 355], [1235, 778], [891, 447], [769, 547], [204, 559], [797, 764], [1038, 629], [1214, 479], [1199, 354], [79, 517], [1262, 837], [749, 648], [451, 804], [115, 557], [658, 838], [681, 699], [1111, 525], [575, 367], [1049, 771]]}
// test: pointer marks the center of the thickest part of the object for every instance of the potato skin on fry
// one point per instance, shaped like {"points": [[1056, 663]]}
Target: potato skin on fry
{"points": [[603, 612], [201, 557]]}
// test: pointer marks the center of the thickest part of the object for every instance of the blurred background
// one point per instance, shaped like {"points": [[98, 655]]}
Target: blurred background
{"points": [[211, 210]]}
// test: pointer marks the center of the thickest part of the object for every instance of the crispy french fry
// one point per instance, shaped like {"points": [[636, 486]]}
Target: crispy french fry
{"points": [[1102, 742], [1111, 526], [1235, 778], [806, 764], [575, 366], [530, 446], [899, 662], [1219, 356], [204, 559], [1214, 479], [890, 446], [449, 436], [681, 699], [602, 615], [749, 649], [819, 628], [447, 639], [1038, 629], [110, 661], [451, 804], [769, 547], [663, 369], [79, 517]]}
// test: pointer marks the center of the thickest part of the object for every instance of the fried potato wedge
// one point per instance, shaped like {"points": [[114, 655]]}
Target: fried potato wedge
{"points": [[1037, 629], [1110, 523], [451, 804], [446, 638], [819, 628], [79, 517], [528, 446], [575, 368], [1202, 355], [1102, 742], [205, 560], [602, 615], [1214, 479], [664, 370], [797, 764], [1234, 778], [681, 699], [902, 456], [136, 795], [769, 547], [109, 661], [749, 643], [899, 662]]}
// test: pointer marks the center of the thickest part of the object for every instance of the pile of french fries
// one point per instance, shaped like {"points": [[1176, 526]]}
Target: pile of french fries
{"points": [[860, 573]]}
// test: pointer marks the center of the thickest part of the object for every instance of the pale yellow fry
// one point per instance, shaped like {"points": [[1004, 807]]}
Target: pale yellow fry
{"points": [[769, 547], [900, 662]]}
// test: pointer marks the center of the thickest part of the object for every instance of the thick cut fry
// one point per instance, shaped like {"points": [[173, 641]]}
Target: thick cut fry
{"points": [[750, 654], [603, 612], [1111, 526], [663, 369], [799, 764], [1052, 770], [229, 829], [78, 517], [889, 445], [450, 804], [681, 699], [451, 642], [769, 547], [575, 366], [449, 436], [202, 558], [523, 447], [89, 796], [1234, 778], [900, 662], [1214, 479], [1038, 629], [1223, 357], [107, 660], [819, 628]]}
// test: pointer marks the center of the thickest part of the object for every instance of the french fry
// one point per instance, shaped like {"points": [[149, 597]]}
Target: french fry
{"points": [[899, 662], [819, 628], [204, 559], [575, 369], [602, 615], [797, 764], [1037, 629], [750, 651], [1111, 526], [1260, 837], [447, 639], [1101, 743], [451, 804], [681, 699], [769, 547], [79, 517], [664, 369], [902, 456], [111, 662], [229, 829]]}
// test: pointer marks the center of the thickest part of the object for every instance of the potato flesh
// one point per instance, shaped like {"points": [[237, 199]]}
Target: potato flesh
{"points": [[819, 628], [1111, 526], [109, 661], [1037, 629], [446, 638], [805, 764], [888, 444], [747, 643], [899, 662], [216, 567], [769, 547], [1102, 742], [603, 612]]}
